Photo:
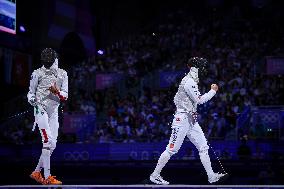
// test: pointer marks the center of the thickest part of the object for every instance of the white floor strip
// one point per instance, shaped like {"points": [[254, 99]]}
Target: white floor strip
{"points": [[143, 186]]}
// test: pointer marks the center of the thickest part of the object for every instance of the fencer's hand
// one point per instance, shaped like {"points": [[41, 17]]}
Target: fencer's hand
{"points": [[54, 89], [33, 101], [214, 87]]}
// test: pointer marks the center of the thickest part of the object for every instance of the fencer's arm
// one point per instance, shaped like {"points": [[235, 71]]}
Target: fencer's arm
{"points": [[32, 89], [63, 92], [192, 90]]}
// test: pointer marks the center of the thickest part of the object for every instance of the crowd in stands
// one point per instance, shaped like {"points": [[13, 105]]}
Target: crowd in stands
{"points": [[234, 56], [234, 50]]}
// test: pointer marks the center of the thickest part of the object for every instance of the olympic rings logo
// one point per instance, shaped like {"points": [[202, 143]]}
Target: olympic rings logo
{"points": [[269, 117], [76, 156]]}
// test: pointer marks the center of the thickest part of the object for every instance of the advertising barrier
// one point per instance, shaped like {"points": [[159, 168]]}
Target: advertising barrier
{"points": [[134, 151], [80, 124]]}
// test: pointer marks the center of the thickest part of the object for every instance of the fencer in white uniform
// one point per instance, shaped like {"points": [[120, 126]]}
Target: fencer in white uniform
{"points": [[48, 86], [185, 122]]}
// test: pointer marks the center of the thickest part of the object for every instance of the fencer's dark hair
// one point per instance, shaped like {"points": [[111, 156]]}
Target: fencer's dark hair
{"points": [[48, 55], [198, 62]]}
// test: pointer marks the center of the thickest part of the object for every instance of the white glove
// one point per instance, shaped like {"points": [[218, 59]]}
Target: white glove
{"points": [[33, 101]]}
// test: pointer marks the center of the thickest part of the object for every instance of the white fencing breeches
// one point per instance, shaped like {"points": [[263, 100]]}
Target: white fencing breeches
{"points": [[47, 122], [182, 127]]}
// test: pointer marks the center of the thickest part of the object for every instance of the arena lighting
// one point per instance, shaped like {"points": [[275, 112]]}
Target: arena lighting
{"points": [[101, 52], [22, 29]]}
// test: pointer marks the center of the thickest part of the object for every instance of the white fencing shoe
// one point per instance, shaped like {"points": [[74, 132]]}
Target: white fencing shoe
{"points": [[157, 179], [217, 177]]}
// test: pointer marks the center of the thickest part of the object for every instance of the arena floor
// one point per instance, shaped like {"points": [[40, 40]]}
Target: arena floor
{"points": [[143, 186], [136, 175]]}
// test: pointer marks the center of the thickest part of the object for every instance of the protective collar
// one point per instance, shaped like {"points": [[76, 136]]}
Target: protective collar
{"points": [[53, 68], [193, 72]]}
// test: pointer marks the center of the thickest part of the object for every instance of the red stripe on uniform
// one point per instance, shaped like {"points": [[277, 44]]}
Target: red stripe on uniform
{"points": [[44, 136], [62, 98]]}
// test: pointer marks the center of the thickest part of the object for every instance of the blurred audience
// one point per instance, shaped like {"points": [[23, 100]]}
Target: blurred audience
{"points": [[234, 50]]}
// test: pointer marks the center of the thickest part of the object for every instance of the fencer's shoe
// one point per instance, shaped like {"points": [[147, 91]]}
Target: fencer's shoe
{"points": [[217, 177], [51, 181], [36, 175], [157, 179]]}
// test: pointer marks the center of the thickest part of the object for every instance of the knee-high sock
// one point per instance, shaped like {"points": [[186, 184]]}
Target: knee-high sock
{"points": [[39, 165], [205, 160], [40, 162], [164, 158], [46, 162]]}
